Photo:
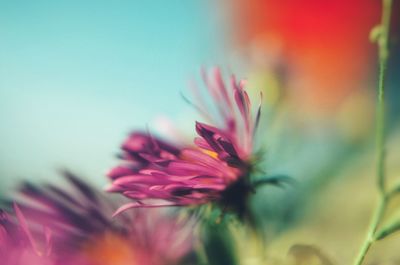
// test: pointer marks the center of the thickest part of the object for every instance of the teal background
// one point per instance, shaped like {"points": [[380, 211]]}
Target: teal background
{"points": [[77, 76]]}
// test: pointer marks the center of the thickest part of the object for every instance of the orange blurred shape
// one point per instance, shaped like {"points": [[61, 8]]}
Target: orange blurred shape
{"points": [[109, 249], [325, 43]]}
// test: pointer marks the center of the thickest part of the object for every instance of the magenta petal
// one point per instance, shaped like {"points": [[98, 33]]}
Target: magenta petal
{"points": [[136, 142], [119, 171], [221, 86], [185, 168], [133, 179], [48, 236], [241, 99], [24, 226], [200, 142], [126, 207], [202, 158], [114, 188]]}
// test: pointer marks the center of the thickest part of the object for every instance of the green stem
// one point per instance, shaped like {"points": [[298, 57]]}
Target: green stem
{"points": [[370, 239], [383, 40]]}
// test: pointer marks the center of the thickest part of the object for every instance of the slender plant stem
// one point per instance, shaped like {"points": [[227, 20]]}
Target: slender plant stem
{"points": [[370, 239], [383, 49]]}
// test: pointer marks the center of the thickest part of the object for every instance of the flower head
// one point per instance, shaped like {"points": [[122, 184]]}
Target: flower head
{"points": [[84, 232], [215, 169]]}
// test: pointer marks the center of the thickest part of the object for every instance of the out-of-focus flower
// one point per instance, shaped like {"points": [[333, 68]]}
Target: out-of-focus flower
{"points": [[216, 169], [18, 246], [324, 45], [84, 232]]}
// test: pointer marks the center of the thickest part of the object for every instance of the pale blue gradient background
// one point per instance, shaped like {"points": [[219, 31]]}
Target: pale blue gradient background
{"points": [[76, 76]]}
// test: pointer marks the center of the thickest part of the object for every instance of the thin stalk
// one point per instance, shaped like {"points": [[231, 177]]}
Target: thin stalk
{"points": [[383, 49], [370, 239]]}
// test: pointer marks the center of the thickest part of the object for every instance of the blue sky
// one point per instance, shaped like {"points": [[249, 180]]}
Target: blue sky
{"points": [[76, 76]]}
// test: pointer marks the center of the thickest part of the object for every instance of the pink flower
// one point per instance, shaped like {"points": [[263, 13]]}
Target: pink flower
{"points": [[215, 169], [84, 232], [18, 245]]}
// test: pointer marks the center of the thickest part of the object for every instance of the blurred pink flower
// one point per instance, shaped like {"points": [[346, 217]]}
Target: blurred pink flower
{"points": [[84, 232], [215, 169], [18, 245]]}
